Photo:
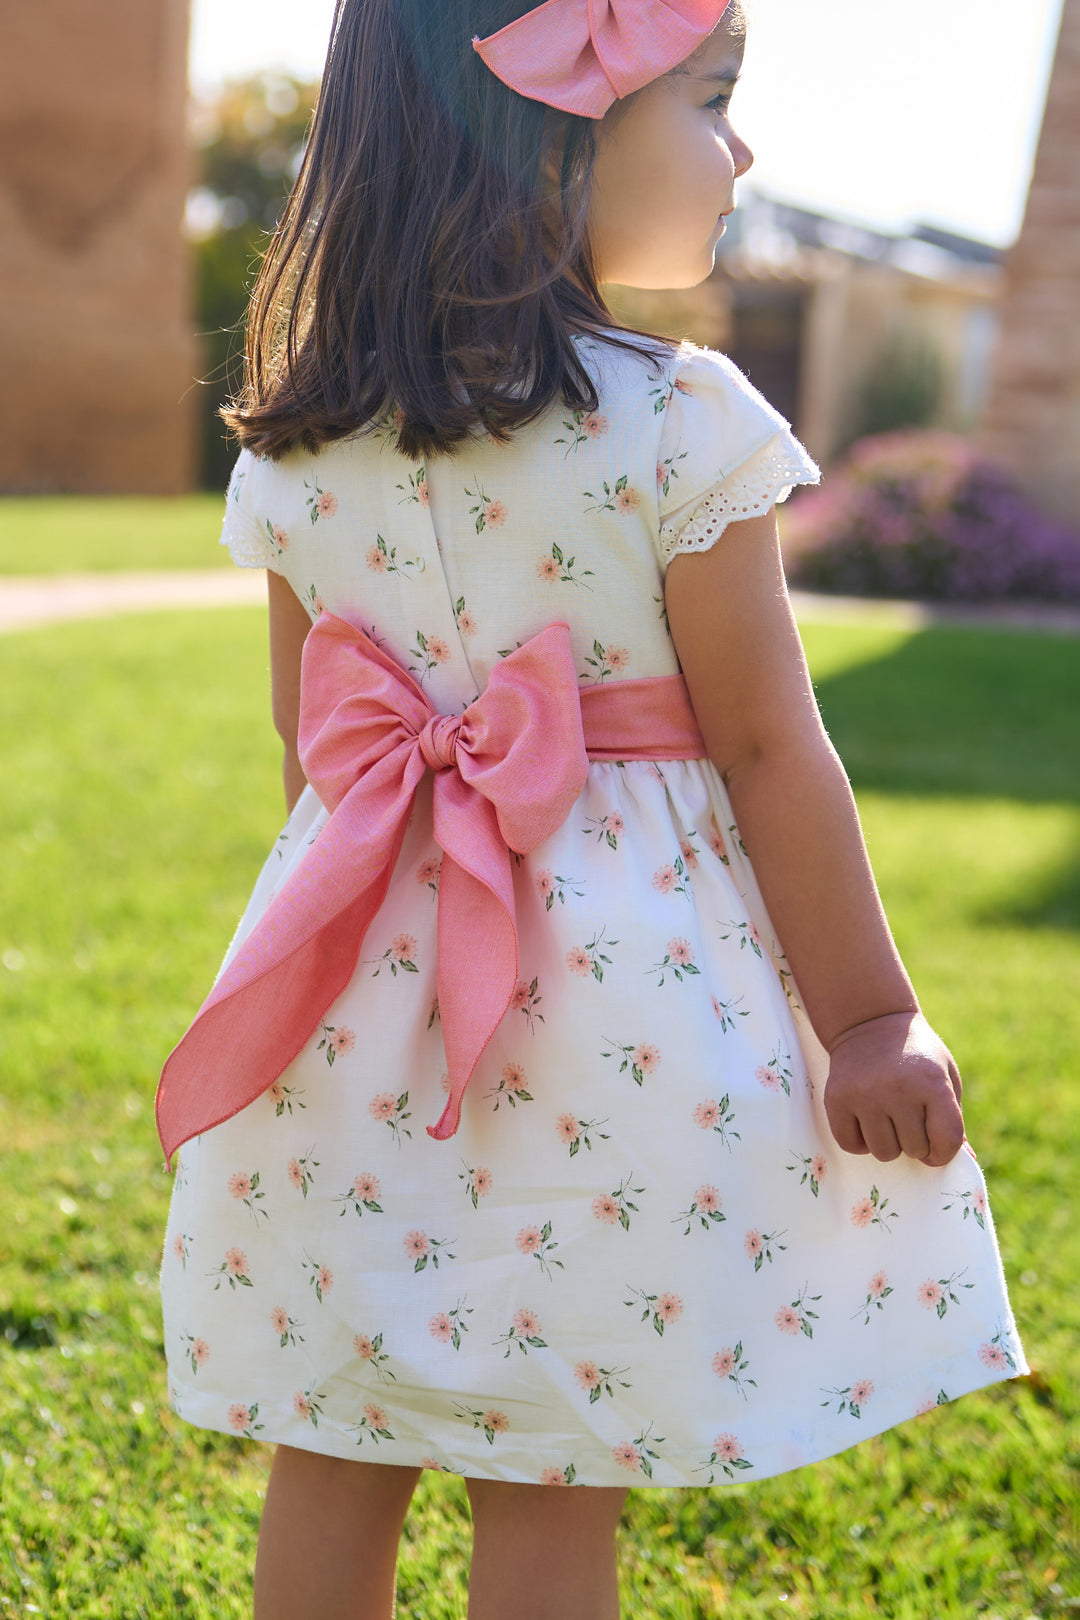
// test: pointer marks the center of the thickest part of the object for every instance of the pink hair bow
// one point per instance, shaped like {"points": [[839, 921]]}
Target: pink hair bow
{"points": [[583, 55]]}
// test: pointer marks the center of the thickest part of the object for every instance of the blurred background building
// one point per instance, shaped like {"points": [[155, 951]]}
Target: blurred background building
{"points": [[96, 332], [133, 217]]}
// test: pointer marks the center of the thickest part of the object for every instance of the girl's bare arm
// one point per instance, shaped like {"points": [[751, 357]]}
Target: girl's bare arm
{"points": [[289, 625], [893, 1086]]}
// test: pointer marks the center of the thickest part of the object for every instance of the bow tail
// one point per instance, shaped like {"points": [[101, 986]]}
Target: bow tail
{"points": [[268, 1000], [478, 945]]}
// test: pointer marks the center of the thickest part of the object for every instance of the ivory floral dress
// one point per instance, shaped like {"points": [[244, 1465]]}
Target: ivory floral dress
{"points": [[642, 1259]]}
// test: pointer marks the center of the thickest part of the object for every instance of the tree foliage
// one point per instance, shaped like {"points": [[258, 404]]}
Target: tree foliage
{"points": [[247, 141]]}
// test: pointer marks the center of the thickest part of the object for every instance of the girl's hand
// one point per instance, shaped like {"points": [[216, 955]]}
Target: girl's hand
{"points": [[893, 1088]]}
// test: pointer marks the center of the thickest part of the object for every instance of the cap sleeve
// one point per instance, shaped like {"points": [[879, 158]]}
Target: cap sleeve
{"points": [[725, 453], [250, 544]]}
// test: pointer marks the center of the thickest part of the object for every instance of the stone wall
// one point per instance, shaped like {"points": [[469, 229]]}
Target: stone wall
{"points": [[95, 323], [1033, 417]]}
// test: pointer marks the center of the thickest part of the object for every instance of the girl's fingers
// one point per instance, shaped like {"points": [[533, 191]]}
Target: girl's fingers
{"points": [[945, 1130], [912, 1134], [880, 1136], [845, 1128]]}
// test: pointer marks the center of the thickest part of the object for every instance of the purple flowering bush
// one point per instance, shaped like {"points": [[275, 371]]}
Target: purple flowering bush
{"points": [[922, 514]]}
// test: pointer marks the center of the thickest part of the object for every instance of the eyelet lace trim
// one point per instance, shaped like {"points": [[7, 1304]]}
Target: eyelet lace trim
{"points": [[247, 547], [751, 490]]}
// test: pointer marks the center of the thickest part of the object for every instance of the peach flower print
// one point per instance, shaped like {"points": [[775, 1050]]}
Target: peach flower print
{"points": [[237, 1262], [664, 879], [428, 871], [680, 952], [788, 1320], [929, 1294], [605, 1209], [627, 1456], [301, 1404], [617, 657], [528, 1240], [327, 505], [200, 1352], [438, 649], [482, 1181], [178, 1247], [689, 853], [752, 1244], [440, 1327], [727, 1448], [548, 570], [466, 623], [526, 1322], [382, 1106], [861, 1392], [669, 1307], [495, 514], [862, 1214], [520, 998], [553, 1476], [707, 1199], [326, 1279], [403, 947], [280, 537], [978, 1199], [992, 1356], [498, 1422], [416, 1244], [878, 1284], [768, 1077], [616, 824], [818, 1167], [239, 1185], [432, 1462], [514, 1074], [927, 1404], [366, 1187], [627, 500], [375, 1415], [294, 1173], [567, 1127], [723, 1363], [544, 883], [343, 1041], [579, 961], [363, 1346], [376, 560], [646, 1057], [239, 1417], [716, 844], [587, 1374], [706, 1114], [279, 1319], [595, 425]]}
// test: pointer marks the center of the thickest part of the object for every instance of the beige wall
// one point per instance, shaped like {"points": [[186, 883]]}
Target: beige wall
{"points": [[1033, 421], [95, 328]]}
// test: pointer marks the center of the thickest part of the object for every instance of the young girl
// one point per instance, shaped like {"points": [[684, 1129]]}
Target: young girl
{"points": [[563, 1114]]}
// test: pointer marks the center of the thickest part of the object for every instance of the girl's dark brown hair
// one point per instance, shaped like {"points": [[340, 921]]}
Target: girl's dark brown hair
{"points": [[422, 270]]}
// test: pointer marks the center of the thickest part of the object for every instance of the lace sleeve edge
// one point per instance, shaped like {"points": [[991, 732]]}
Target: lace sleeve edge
{"points": [[751, 490], [247, 547]]}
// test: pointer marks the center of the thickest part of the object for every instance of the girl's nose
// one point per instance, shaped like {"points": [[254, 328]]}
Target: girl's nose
{"points": [[743, 156]]}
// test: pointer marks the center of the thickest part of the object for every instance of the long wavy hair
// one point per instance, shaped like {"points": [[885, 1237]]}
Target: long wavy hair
{"points": [[433, 261]]}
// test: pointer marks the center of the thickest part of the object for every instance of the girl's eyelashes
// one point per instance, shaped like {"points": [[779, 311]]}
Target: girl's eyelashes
{"points": [[721, 102]]}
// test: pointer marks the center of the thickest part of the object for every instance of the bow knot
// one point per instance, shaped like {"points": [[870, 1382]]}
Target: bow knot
{"points": [[438, 741]]}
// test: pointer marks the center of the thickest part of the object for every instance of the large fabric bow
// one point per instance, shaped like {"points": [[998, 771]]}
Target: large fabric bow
{"points": [[507, 773], [584, 55]]}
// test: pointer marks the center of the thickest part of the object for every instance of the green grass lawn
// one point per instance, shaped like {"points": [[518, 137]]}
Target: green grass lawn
{"points": [[140, 794], [61, 534]]}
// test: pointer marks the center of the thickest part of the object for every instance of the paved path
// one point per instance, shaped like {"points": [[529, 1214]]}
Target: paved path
{"points": [[27, 602]]}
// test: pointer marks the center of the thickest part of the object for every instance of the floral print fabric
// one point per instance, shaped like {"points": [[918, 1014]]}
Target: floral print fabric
{"points": [[642, 1259]]}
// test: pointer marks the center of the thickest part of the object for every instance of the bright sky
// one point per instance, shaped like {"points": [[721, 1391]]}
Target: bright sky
{"points": [[881, 113]]}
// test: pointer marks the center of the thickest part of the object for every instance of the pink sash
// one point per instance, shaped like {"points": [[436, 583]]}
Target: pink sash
{"points": [[507, 774]]}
